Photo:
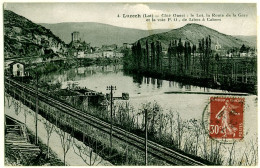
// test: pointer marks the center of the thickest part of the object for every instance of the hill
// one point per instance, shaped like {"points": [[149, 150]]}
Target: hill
{"points": [[193, 33], [98, 34], [250, 39], [23, 38]]}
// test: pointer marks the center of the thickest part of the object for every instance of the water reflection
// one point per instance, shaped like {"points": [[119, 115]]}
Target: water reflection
{"points": [[187, 87], [137, 79], [180, 86], [153, 81], [98, 77], [159, 83]]}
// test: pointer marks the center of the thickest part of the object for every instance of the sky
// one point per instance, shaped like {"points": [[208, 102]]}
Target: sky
{"points": [[108, 13]]}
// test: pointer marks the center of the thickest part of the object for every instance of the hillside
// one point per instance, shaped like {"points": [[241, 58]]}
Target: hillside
{"points": [[250, 39], [193, 33], [98, 34], [23, 38]]}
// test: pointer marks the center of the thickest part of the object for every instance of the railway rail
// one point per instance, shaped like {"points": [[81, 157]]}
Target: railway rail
{"points": [[164, 153]]}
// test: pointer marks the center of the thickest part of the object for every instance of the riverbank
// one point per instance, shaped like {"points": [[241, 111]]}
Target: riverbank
{"points": [[39, 69]]}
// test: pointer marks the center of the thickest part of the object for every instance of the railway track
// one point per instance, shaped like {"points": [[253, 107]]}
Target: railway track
{"points": [[164, 153]]}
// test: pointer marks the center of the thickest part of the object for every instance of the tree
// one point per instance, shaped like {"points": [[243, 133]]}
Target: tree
{"points": [[17, 107], [172, 127], [180, 130], [153, 111], [193, 51], [66, 140], [147, 54], [134, 54], [244, 49], [186, 55], [189, 50], [49, 129], [170, 53], [158, 56], [208, 55], [139, 54], [179, 56], [86, 152], [92, 152], [203, 54], [127, 59], [25, 112], [152, 55], [174, 51]]}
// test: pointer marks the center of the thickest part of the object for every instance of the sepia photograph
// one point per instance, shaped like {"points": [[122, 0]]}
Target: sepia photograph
{"points": [[130, 84]]}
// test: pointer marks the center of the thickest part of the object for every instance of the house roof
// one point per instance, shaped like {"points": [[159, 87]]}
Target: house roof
{"points": [[14, 62]]}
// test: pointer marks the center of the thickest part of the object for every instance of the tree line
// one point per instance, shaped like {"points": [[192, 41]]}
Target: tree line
{"points": [[180, 55], [181, 58]]}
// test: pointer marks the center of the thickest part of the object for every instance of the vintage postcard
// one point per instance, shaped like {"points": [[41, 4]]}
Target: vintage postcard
{"points": [[130, 84]]}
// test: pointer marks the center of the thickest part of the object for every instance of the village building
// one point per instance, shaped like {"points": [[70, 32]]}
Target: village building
{"points": [[94, 55], [77, 47], [80, 54], [217, 46], [221, 51], [16, 69], [229, 54], [109, 47], [108, 54], [127, 46], [247, 54], [119, 55]]}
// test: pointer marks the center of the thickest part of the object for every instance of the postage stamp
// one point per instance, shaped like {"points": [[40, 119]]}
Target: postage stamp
{"points": [[226, 118]]}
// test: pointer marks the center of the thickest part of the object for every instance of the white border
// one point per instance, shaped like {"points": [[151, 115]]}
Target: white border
{"points": [[106, 1]]}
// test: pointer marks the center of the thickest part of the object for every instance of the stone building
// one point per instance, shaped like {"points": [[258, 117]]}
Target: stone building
{"points": [[17, 69], [75, 36], [217, 46]]}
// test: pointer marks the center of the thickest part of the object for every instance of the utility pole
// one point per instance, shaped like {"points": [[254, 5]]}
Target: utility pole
{"points": [[146, 138], [111, 88]]}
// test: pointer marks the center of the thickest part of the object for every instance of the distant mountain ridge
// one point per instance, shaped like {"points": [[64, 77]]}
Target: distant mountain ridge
{"points": [[99, 34], [250, 39], [23, 38], [193, 32]]}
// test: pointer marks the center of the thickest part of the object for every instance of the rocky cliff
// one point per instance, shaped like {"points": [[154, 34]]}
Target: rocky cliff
{"points": [[23, 38]]}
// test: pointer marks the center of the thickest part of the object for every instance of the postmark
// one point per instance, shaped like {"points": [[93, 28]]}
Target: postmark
{"points": [[226, 118]]}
